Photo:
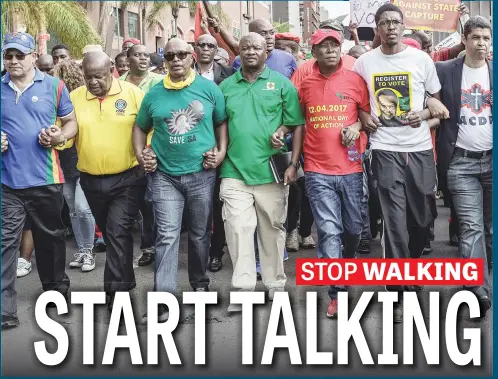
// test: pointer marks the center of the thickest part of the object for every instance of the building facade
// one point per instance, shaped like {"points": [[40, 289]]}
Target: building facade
{"points": [[310, 14]]}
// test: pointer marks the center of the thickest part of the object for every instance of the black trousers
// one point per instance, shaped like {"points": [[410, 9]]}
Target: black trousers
{"points": [[43, 205], [299, 209], [218, 236], [147, 226], [406, 187], [115, 202]]}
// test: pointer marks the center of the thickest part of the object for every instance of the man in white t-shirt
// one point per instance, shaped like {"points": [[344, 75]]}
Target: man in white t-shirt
{"points": [[466, 143], [404, 173]]}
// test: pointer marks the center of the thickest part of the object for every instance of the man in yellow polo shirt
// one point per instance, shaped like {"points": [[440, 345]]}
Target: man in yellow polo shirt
{"points": [[111, 179]]}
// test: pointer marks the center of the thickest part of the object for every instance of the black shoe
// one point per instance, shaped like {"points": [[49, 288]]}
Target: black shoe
{"points": [[364, 247], [258, 276], [162, 314], [484, 304], [146, 259], [215, 264], [52, 305], [453, 233], [398, 313], [427, 248], [100, 247], [9, 322]]}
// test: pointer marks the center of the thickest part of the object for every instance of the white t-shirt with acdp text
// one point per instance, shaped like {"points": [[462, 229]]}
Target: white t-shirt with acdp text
{"points": [[475, 126], [397, 85]]}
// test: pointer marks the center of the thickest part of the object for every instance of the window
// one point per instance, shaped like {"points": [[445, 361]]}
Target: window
{"points": [[119, 21], [133, 29]]}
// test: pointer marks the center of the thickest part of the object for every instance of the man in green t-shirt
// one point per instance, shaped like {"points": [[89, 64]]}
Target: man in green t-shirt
{"points": [[262, 107], [190, 138], [139, 75]]}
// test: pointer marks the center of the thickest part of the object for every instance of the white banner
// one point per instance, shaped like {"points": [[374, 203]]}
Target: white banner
{"points": [[453, 40], [363, 11]]}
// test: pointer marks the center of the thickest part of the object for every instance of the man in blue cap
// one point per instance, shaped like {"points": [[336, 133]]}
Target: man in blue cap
{"points": [[31, 174]]}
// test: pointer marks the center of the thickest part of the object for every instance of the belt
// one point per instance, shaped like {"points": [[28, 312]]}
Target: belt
{"points": [[472, 154]]}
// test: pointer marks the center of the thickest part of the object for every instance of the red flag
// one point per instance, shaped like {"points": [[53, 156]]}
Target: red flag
{"points": [[198, 32]]}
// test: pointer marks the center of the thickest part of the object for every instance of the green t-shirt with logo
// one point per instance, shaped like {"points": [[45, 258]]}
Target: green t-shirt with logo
{"points": [[255, 111], [184, 124]]}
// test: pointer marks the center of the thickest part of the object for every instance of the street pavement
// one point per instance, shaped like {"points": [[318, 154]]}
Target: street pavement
{"points": [[223, 346]]}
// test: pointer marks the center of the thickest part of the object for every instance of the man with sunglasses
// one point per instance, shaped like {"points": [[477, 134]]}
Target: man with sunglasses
{"points": [[206, 49], [277, 60], [402, 160], [31, 175], [139, 75], [188, 115]]}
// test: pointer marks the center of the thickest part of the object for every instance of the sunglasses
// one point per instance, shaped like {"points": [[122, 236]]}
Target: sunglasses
{"points": [[210, 46], [19, 57], [180, 54]]}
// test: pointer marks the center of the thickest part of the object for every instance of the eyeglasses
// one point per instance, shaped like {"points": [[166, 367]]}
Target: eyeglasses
{"points": [[138, 55], [19, 57], [385, 23], [210, 46], [180, 54], [265, 33]]}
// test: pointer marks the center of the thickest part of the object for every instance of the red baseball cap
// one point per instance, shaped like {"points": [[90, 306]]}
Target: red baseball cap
{"points": [[322, 34]]}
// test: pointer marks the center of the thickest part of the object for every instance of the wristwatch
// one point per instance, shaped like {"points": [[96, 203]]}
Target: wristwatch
{"points": [[295, 165]]}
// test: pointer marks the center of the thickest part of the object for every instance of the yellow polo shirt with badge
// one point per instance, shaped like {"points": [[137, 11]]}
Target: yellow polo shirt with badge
{"points": [[105, 126]]}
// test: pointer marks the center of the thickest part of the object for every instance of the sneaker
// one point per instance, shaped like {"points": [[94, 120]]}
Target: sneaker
{"points": [[292, 243], [363, 247], [332, 309], [308, 243], [88, 262], [77, 261], [286, 255], [148, 256], [23, 267], [427, 248], [398, 313], [162, 314], [100, 246], [9, 322], [234, 308]]}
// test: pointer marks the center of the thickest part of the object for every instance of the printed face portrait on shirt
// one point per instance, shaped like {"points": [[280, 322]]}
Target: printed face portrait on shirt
{"points": [[206, 48], [178, 57], [17, 63], [138, 58], [390, 27], [327, 53], [252, 51]]}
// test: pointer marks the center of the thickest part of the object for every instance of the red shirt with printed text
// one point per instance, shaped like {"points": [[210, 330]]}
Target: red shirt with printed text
{"points": [[330, 104]]}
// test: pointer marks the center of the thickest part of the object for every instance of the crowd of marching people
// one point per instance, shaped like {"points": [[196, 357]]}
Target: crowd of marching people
{"points": [[183, 143]]}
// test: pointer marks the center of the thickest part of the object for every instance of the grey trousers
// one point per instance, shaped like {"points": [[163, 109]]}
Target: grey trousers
{"points": [[406, 185]]}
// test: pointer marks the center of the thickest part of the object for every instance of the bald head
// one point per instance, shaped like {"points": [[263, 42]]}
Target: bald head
{"points": [[357, 50], [97, 73], [266, 30], [206, 48], [178, 58], [45, 63], [176, 44]]}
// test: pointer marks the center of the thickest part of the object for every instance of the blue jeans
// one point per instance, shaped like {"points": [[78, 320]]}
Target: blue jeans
{"points": [[336, 205], [81, 216], [365, 214], [470, 182], [170, 194]]}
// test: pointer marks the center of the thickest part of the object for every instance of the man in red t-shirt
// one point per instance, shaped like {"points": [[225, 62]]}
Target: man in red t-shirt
{"points": [[331, 97]]}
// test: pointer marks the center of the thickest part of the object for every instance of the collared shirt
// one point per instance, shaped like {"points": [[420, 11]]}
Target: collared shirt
{"points": [[105, 127], [25, 113], [208, 74], [255, 111], [307, 69], [149, 81], [330, 104], [278, 60], [184, 122]]}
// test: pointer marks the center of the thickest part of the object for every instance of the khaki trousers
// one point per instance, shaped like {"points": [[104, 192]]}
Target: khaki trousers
{"points": [[245, 210]]}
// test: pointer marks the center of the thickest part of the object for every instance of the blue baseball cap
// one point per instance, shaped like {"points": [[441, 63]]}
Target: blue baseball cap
{"points": [[23, 42]]}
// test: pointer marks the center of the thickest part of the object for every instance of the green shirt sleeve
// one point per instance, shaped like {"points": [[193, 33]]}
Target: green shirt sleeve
{"points": [[292, 114], [219, 111], [144, 119]]}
